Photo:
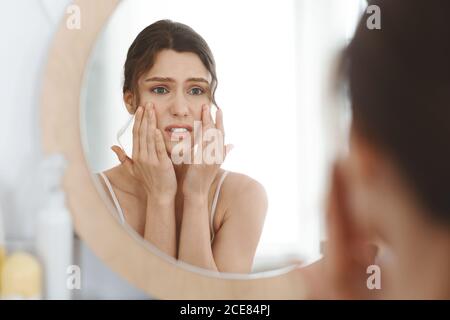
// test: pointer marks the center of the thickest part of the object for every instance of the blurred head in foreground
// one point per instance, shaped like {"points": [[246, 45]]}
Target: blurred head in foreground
{"points": [[393, 186]]}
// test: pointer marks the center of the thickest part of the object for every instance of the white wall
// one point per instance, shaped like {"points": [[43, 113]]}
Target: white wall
{"points": [[26, 29]]}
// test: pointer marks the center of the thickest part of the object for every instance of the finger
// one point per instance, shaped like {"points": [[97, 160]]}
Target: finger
{"points": [[344, 264], [160, 146], [153, 116], [349, 234], [124, 159], [337, 224], [143, 130], [206, 125], [198, 131], [333, 251], [219, 121], [151, 133], [210, 117], [206, 117], [136, 127], [121, 155]]}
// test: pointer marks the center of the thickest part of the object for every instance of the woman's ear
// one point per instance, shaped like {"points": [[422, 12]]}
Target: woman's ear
{"points": [[128, 99]]}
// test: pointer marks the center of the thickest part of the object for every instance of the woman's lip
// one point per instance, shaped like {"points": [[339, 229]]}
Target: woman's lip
{"points": [[175, 136], [185, 126], [178, 135]]}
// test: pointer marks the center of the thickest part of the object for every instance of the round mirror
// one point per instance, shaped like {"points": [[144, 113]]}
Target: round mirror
{"points": [[153, 87], [254, 200]]}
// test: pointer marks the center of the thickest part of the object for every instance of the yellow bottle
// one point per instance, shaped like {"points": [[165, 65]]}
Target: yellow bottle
{"points": [[2, 260], [2, 245], [21, 277]]}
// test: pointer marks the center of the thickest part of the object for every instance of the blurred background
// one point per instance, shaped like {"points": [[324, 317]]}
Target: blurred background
{"points": [[274, 60]]}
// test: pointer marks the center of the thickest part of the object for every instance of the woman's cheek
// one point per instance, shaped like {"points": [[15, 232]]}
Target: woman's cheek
{"points": [[148, 96], [143, 99], [198, 109]]}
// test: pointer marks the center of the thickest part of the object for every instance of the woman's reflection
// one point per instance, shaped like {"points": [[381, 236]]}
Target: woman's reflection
{"points": [[194, 210]]}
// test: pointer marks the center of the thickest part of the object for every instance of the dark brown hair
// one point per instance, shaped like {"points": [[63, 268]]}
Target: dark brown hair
{"points": [[165, 34], [399, 85]]}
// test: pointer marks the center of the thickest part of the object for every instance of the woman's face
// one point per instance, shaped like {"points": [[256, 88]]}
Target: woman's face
{"points": [[178, 85]]}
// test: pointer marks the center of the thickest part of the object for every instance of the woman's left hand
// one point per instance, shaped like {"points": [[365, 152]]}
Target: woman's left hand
{"points": [[201, 173]]}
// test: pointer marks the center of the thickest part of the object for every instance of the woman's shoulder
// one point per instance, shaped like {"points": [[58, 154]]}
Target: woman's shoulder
{"points": [[121, 182], [243, 201], [239, 188], [108, 173], [238, 181]]}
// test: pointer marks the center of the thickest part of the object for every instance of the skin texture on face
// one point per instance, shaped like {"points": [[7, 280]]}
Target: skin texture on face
{"points": [[178, 85]]}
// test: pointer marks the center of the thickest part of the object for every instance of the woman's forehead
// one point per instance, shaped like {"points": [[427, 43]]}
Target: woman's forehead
{"points": [[179, 66]]}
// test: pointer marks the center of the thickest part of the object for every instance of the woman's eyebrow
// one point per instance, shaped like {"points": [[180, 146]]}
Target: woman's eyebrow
{"points": [[198, 80], [160, 79], [167, 79]]}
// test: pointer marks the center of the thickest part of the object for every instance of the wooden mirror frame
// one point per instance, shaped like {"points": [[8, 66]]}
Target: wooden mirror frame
{"points": [[137, 262]]}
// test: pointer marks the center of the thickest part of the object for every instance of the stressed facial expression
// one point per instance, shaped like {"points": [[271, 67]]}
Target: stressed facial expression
{"points": [[178, 85]]}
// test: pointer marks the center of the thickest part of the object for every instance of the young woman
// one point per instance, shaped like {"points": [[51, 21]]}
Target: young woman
{"points": [[197, 212], [393, 187]]}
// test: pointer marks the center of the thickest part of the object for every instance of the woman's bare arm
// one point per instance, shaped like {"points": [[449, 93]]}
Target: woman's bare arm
{"points": [[160, 229], [195, 240], [235, 243]]}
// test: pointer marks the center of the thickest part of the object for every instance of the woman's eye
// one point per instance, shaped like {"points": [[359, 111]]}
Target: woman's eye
{"points": [[160, 90], [196, 91]]}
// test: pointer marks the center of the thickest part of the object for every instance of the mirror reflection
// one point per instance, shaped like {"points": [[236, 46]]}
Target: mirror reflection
{"points": [[200, 139]]}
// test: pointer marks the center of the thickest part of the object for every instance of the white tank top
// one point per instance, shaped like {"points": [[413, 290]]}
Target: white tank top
{"points": [[213, 205]]}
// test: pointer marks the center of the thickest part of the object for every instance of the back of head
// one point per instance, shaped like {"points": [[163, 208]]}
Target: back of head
{"points": [[399, 80]]}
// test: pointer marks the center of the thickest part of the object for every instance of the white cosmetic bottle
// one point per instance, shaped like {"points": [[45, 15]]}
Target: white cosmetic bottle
{"points": [[54, 233]]}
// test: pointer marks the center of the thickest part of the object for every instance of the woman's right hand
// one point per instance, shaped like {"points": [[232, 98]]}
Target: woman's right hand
{"points": [[150, 162], [342, 272]]}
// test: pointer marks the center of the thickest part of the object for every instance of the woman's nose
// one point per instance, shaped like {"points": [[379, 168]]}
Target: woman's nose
{"points": [[179, 107]]}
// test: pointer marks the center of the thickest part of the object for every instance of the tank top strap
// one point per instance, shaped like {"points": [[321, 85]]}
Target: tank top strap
{"points": [[214, 203], [113, 195]]}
